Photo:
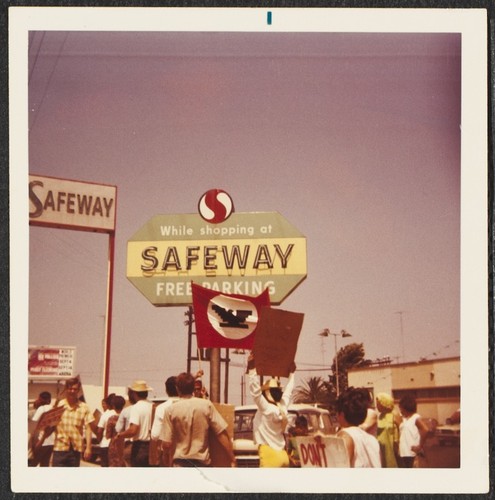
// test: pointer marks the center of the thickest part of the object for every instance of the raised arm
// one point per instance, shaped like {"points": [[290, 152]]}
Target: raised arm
{"points": [[289, 387], [255, 387], [424, 431]]}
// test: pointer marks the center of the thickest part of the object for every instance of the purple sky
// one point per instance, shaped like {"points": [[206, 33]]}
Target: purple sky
{"points": [[353, 138]]}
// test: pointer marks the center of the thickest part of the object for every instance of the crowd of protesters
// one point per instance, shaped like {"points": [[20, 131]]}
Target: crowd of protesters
{"points": [[177, 432]]}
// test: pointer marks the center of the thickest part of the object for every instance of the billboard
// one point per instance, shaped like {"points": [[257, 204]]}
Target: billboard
{"points": [[243, 255], [51, 362]]}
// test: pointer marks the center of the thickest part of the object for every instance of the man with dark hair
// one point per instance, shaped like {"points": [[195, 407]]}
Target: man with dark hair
{"points": [[43, 453], [300, 429], [123, 423], [363, 449], [158, 453], [186, 424], [139, 424], [413, 432], [73, 433], [116, 446], [102, 427]]}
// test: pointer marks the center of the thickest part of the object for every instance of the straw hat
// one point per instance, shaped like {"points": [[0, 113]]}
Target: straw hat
{"points": [[272, 390], [140, 386], [273, 383]]}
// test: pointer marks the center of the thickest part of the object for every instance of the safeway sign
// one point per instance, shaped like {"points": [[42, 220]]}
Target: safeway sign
{"points": [[243, 255]]}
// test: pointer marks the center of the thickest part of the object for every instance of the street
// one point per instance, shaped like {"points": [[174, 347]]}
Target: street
{"points": [[438, 457]]}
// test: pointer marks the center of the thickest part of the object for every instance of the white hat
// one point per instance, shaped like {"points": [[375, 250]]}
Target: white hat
{"points": [[140, 386]]}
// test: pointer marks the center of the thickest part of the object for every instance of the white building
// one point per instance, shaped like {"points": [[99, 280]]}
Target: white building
{"points": [[436, 384]]}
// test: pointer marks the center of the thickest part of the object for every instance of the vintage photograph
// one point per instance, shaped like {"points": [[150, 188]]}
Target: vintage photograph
{"points": [[249, 238]]}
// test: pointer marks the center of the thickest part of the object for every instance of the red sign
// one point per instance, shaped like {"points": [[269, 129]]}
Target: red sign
{"points": [[51, 361], [226, 320]]}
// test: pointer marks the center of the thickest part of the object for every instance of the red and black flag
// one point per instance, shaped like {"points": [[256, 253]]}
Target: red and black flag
{"points": [[224, 320]]}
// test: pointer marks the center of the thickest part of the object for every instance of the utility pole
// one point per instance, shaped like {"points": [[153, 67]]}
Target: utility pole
{"points": [[402, 335], [326, 333]]}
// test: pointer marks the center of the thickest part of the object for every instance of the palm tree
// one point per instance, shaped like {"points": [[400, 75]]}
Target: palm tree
{"points": [[314, 391]]}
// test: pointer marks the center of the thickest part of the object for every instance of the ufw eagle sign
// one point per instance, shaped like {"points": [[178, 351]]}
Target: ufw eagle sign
{"points": [[245, 254]]}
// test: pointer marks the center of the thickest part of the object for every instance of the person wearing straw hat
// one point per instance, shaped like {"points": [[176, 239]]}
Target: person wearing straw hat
{"points": [[140, 421], [271, 419]]}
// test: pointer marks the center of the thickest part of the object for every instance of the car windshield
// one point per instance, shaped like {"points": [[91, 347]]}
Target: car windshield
{"points": [[243, 425], [317, 422]]}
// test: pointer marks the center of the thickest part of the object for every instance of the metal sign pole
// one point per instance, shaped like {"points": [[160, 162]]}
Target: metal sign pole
{"points": [[215, 375], [108, 315]]}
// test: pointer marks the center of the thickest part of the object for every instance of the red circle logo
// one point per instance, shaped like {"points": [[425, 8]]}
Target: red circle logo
{"points": [[215, 206]]}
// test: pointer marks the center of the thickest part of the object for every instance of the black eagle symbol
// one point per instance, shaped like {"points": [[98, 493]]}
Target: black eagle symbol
{"points": [[230, 319]]}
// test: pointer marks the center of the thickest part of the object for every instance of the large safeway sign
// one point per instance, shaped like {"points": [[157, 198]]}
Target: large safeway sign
{"points": [[243, 255]]}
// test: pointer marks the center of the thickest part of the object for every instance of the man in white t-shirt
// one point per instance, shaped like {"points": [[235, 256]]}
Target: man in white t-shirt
{"points": [[362, 447], [139, 424], [43, 454], [123, 424], [158, 456], [102, 427]]}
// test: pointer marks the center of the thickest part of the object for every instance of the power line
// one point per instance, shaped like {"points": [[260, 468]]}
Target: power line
{"points": [[45, 90]]}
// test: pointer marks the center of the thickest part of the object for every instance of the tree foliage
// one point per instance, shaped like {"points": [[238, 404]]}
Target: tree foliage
{"points": [[313, 391], [316, 390], [349, 356]]}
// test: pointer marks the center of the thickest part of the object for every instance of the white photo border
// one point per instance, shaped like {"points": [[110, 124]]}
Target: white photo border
{"points": [[473, 475]]}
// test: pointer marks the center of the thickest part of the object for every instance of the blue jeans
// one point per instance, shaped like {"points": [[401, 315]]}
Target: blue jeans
{"points": [[70, 458]]}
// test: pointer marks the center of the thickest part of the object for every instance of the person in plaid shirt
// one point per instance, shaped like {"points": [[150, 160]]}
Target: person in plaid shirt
{"points": [[73, 433]]}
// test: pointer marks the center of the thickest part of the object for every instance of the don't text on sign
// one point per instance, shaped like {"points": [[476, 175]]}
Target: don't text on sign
{"points": [[243, 255], [322, 451]]}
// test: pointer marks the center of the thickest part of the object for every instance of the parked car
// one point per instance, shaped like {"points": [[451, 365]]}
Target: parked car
{"points": [[320, 421], [450, 433]]}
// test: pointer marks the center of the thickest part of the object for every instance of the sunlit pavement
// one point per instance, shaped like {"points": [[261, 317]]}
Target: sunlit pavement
{"points": [[447, 456], [88, 464], [437, 456]]}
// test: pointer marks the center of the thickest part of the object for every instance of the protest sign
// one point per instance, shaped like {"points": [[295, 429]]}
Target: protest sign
{"points": [[322, 451], [224, 320], [51, 418], [219, 457], [276, 339]]}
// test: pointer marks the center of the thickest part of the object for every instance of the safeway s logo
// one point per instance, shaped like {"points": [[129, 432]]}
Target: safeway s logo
{"points": [[215, 206]]}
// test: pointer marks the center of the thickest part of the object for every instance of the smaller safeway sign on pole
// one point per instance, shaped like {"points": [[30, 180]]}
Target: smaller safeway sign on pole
{"points": [[81, 206], [70, 204]]}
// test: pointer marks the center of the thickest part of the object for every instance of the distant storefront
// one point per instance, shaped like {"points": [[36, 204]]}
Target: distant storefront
{"points": [[436, 384]]}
